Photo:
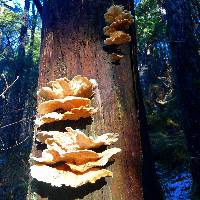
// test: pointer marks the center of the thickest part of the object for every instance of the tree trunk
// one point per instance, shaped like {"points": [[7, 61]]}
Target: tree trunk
{"points": [[16, 98], [72, 44], [23, 39], [32, 38], [185, 60]]}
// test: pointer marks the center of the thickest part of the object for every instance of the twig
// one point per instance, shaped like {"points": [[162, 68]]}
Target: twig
{"points": [[12, 123], [23, 119], [8, 87], [17, 144]]}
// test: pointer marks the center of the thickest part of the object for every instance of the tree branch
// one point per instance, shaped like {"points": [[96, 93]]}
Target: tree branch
{"points": [[8, 87], [38, 6]]}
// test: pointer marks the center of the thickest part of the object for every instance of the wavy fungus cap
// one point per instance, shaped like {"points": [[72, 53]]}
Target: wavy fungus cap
{"points": [[66, 104], [73, 114], [117, 12], [79, 160], [105, 157], [75, 139], [62, 175], [118, 38], [112, 13], [57, 154], [60, 88]]}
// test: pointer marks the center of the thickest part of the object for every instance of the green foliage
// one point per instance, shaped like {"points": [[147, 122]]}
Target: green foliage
{"points": [[9, 19], [149, 22], [36, 47], [10, 27], [10, 24], [166, 135]]}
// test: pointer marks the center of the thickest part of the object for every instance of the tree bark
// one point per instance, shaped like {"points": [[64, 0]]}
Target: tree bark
{"points": [[185, 60], [72, 44]]}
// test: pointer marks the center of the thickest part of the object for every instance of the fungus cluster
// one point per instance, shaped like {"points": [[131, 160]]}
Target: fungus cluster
{"points": [[66, 100], [60, 88], [118, 19], [70, 157]]}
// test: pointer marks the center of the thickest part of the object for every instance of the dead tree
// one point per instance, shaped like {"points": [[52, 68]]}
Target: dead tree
{"points": [[72, 44]]}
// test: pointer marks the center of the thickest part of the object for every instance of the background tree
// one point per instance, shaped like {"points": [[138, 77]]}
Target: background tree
{"points": [[72, 43], [186, 69], [17, 80], [163, 113]]}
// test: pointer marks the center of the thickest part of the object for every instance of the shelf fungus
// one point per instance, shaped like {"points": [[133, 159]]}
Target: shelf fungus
{"points": [[73, 114], [102, 161], [118, 38], [62, 105], [117, 19], [108, 30], [75, 139], [77, 164], [60, 88], [70, 158], [116, 13], [70, 149], [56, 154], [78, 157], [116, 57], [62, 175], [69, 155]]}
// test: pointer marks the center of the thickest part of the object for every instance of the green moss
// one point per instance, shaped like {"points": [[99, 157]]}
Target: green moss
{"points": [[170, 149], [167, 138]]}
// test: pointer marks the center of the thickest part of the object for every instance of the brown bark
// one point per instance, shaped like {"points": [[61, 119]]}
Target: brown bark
{"points": [[72, 44]]}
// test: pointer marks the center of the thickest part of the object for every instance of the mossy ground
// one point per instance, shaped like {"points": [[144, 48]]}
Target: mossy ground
{"points": [[170, 152]]}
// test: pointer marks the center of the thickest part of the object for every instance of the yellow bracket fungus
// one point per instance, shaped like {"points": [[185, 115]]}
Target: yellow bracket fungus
{"points": [[118, 38], [60, 88], [73, 114], [72, 151], [117, 19], [75, 139], [61, 175], [66, 104]]}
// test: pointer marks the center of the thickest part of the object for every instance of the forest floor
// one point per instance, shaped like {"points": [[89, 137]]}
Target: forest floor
{"points": [[170, 154], [176, 183]]}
